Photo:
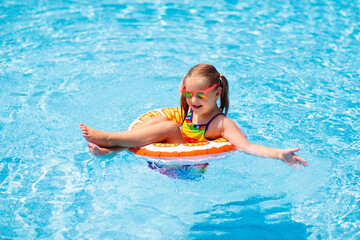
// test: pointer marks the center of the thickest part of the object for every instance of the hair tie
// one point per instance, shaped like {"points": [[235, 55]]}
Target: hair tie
{"points": [[220, 78]]}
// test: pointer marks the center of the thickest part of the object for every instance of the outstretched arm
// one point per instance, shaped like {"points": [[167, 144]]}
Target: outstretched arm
{"points": [[232, 133]]}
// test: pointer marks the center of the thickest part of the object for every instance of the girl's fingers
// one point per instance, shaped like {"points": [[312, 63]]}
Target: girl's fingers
{"points": [[291, 151], [296, 161], [303, 164], [302, 161], [294, 150]]}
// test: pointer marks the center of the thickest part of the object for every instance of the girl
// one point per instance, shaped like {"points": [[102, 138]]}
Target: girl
{"points": [[202, 120]]}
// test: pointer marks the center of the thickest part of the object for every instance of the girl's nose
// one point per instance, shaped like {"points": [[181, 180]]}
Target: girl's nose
{"points": [[193, 98]]}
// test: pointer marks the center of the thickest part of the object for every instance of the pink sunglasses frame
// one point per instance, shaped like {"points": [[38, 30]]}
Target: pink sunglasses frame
{"points": [[193, 93]]}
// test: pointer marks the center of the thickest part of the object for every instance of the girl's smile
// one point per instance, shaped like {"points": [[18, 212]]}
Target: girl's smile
{"points": [[196, 107]]}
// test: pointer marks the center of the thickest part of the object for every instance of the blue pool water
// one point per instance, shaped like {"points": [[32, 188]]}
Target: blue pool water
{"points": [[293, 69]]}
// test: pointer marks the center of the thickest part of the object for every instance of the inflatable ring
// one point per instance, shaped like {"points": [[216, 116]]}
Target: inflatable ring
{"points": [[174, 150]]}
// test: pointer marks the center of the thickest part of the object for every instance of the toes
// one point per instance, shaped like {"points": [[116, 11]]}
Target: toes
{"points": [[83, 126], [95, 150], [84, 130], [92, 148]]}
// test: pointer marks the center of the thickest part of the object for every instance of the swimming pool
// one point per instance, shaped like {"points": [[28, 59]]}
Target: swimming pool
{"points": [[293, 70]]}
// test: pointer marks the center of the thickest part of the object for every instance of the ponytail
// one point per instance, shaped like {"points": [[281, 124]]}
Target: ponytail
{"points": [[224, 97]]}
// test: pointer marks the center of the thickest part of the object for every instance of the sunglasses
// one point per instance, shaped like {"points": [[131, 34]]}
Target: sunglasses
{"points": [[198, 94]]}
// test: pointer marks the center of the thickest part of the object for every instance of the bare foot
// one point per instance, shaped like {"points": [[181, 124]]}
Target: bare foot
{"points": [[98, 151], [95, 136]]}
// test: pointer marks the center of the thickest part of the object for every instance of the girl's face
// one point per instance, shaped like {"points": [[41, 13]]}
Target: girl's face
{"points": [[201, 106]]}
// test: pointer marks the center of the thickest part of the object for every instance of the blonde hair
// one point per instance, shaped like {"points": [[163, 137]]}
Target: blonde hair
{"points": [[212, 77]]}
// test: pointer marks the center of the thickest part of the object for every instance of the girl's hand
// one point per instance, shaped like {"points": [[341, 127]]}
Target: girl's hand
{"points": [[288, 156]]}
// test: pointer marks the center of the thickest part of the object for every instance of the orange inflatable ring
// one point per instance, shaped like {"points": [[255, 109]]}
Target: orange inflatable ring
{"points": [[171, 150]]}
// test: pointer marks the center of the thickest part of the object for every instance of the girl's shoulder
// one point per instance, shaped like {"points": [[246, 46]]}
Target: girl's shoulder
{"points": [[221, 117], [222, 122], [216, 127], [224, 127]]}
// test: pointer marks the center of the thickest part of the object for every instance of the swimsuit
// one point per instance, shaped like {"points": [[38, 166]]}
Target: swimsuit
{"points": [[195, 132]]}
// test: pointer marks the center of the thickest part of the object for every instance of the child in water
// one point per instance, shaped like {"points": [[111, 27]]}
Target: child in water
{"points": [[200, 89]]}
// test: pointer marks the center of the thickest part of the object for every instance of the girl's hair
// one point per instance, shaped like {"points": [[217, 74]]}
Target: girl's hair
{"points": [[212, 76]]}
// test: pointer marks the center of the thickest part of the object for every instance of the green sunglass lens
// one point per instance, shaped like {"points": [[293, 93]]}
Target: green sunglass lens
{"points": [[200, 95], [187, 94]]}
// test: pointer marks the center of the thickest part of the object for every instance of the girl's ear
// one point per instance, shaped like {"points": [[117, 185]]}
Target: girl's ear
{"points": [[218, 92]]}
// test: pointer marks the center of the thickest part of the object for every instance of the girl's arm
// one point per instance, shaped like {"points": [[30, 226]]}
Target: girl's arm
{"points": [[232, 133]]}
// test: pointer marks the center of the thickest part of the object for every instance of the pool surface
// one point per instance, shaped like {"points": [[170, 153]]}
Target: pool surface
{"points": [[293, 70]]}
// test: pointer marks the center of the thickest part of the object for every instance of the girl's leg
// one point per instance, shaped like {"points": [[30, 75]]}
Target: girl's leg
{"points": [[163, 131], [152, 121], [102, 151], [146, 123]]}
